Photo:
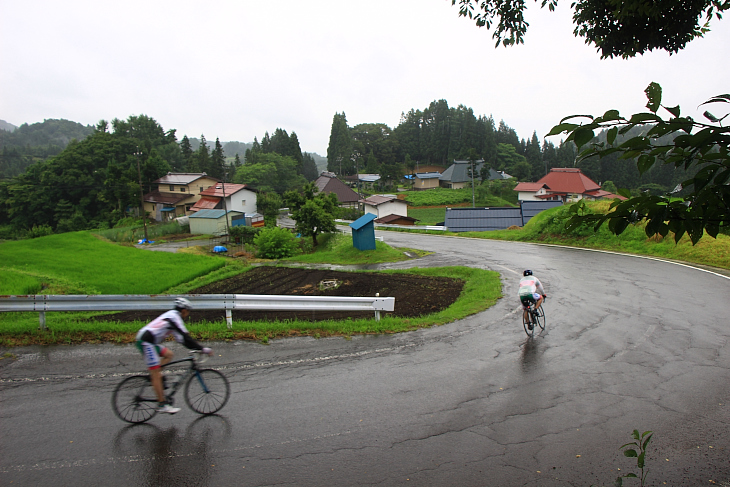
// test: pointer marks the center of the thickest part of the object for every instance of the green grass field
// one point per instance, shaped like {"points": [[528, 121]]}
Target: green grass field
{"points": [[427, 216], [88, 265]]}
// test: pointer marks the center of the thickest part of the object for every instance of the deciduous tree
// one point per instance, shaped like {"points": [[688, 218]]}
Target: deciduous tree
{"points": [[703, 146], [622, 28]]}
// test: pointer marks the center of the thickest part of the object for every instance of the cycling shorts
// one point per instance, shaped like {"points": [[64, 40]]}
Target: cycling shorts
{"points": [[528, 299], [151, 353]]}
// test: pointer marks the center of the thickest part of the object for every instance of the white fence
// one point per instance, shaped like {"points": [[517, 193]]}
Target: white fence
{"points": [[228, 302]]}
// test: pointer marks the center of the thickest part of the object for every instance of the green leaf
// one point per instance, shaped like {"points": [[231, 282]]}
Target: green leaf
{"points": [[630, 453], [626, 193], [611, 135], [610, 115], [645, 162], [645, 117], [673, 110], [710, 117], [631, 476], [718, 99], [563, 127], [654, 95], [582, 136]]}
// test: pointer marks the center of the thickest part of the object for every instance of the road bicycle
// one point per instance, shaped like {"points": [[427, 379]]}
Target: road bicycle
{"points": [[206, 391], [535, 317]]}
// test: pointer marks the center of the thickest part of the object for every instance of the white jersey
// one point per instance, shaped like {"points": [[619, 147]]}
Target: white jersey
{"points": [[169, 323], [530, 285]]}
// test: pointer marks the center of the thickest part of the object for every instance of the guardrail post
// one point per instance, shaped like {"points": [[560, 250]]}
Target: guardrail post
{"points": [[229, 318], [377, 311], [42, 317]]}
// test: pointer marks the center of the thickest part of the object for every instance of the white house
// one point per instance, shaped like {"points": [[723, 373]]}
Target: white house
{"points": [[238, 197], [563, 184], [384, 205]]}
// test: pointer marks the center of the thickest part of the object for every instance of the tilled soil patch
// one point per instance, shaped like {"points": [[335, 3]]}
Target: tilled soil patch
{"points": [[414, 295]]}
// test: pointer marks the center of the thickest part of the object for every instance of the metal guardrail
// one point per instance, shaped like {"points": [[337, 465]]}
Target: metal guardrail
{"points": [[228, 302]]}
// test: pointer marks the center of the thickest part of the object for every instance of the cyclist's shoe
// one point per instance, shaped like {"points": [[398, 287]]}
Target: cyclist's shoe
{"points": [[529, 326], [166, 408]]}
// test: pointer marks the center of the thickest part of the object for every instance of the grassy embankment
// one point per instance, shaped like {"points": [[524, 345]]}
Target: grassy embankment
{"points": [[549, 227], [78, 263]]}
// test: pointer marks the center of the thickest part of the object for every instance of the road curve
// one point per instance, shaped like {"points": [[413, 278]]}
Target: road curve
{"points": [[630, 343]]}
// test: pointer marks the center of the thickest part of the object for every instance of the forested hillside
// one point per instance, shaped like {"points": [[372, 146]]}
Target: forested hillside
{"points": [[31, 143]]}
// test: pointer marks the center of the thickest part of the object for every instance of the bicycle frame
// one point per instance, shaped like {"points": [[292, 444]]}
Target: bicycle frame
{"points": [[192, 369]]}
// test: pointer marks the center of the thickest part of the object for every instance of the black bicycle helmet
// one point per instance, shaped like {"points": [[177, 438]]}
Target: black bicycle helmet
{"points": [[527, 272]]}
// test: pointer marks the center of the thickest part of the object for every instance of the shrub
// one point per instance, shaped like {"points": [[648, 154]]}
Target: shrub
{"points": [[39, 231], [275, 243], [348, 213], [243, 234]]}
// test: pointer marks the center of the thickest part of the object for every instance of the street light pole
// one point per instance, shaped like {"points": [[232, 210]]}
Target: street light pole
{"points": [[141, 195]]}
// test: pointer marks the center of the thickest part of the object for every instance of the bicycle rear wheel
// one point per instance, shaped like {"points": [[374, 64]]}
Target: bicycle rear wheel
{"points": [[134, 399], [207, 391], [540, 313], [526, 324]]}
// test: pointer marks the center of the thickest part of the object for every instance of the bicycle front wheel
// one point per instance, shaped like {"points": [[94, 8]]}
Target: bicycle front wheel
{"points": [[526, 324], [540, 317], [134, 399], [207, 391]]}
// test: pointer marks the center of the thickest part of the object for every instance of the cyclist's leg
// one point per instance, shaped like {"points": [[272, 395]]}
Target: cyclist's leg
{"points": [[538, 300], [166, 355], [151, 353], [526, 301]]}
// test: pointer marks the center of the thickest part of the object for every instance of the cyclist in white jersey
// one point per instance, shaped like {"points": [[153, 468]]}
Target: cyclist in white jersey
{"points": [[153, 334], [531, 291]]}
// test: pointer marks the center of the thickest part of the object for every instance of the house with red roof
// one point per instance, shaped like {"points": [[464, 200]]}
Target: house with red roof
{"points": [[566, 184]]}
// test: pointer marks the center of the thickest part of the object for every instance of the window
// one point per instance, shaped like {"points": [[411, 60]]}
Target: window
{"points": [[201, 190], [182, 189], [243, 202], [172, 188]]}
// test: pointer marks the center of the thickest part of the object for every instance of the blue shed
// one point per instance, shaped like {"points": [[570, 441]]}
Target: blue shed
{"points": [[363, 232]]}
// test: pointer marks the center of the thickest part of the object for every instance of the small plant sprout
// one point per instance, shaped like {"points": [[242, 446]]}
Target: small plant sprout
{"points": [[637, 449]]}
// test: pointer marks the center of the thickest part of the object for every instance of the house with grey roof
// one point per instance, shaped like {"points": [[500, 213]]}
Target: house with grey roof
{"points": [[458, 175], [384, 205], [328, 182]]}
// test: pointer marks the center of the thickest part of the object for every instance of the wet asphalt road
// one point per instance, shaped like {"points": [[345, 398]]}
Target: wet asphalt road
{"points": [[630, 343]]}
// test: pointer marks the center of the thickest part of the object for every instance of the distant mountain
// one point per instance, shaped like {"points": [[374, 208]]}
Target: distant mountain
{"points": [[50, 132], [9, 127], [320, 161]]}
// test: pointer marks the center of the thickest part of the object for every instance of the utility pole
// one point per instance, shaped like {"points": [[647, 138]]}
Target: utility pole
{"points": [[356, 155], [225, 207], [141, 195], [473, 204]]}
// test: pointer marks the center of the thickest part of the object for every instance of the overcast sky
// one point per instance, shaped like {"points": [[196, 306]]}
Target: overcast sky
{"points": [[234, 69]]}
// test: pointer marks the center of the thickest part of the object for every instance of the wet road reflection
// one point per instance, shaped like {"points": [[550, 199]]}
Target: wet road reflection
{"points": [[169, 457]]}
